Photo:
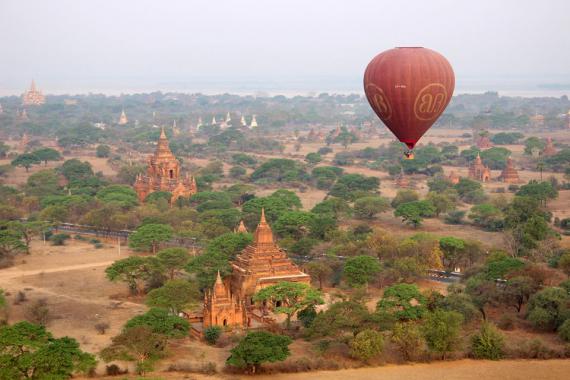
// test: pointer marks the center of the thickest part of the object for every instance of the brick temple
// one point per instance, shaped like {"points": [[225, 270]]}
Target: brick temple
{"points": [[123, 120], [549, 149], [33, 97], [259, 265], [509, 173], [163, 174], [478, 170]]}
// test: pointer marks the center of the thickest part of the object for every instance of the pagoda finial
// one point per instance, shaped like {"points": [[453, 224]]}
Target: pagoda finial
{"points": [[263, 233], [33, 86], [162, 134], [219, 278]]}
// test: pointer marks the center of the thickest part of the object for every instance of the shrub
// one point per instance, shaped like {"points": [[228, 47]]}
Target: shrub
{"points": [[212, 334], [488, 343], [507, 322], [366, 345], [454, 217], [564, 330], [407, 337], [102, 327], [59, 239], [115, 370], [38, 312]]}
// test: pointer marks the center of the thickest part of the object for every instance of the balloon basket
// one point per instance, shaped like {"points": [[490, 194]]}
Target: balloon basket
{"points": [[409, 155]]}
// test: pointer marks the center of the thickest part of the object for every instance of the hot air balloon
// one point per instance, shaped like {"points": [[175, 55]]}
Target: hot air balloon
{"points": [[409, 88]]}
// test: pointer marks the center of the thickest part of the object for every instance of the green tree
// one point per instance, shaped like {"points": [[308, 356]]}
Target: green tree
{"points": [[404, 196], [368, 207], [139, 344], [28, 230], [173, 260], [174, 295], [206, 266], [487, 216], [42, 183], [541, 191], [26, 160], [348, 186], [518, 290], [404, 301], [149, 236], [131, 270], [10, 243], [453, 249], [549, 308], [28, 351], [488, 343], [408, 338], [441, 331], [413, 213], [122, 195], [340, 317], [294, 224], [366, 345], [75, 170], [320, 271], [257, 348], [443, 202], [47, 154], [564, 330], [103, 151], [313, 158], [161, 321], [289, 298], [533, 143], [360, 270]]}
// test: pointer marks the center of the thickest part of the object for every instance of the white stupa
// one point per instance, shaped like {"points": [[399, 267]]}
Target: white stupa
{"points": [[253, 122], [199, 125], [243, 122], [214, 122]]}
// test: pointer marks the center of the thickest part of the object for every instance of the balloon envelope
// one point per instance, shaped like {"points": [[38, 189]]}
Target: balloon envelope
{"points": [[409, 88]]}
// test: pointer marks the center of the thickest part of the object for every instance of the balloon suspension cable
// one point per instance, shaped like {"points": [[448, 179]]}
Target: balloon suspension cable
{"points": [[409, 153]]}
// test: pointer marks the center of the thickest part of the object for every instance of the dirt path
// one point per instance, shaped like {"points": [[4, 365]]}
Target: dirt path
{"points": [[456, 370], [15, 272]]}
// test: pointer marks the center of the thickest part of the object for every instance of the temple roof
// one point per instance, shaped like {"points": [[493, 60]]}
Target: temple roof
{"points": [[263, 233], [163, 152]]}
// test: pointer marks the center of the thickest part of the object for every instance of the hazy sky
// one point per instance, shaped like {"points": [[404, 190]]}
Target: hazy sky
{"points": [[81, 43]]}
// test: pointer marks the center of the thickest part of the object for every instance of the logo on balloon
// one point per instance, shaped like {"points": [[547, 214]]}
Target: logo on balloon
{"points": [[430, 101], [379, 101]]}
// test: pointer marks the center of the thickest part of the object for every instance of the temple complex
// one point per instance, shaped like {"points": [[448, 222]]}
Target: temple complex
{"points": [[33, 97], [453, 177], [484, 142], [478, 171], [259, 265], [549, 149], [123, 118], [163, 174], [509, 173]]}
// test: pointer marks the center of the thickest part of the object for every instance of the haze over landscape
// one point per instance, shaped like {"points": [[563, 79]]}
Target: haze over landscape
{"points": [[278, 47], [284, 190]]}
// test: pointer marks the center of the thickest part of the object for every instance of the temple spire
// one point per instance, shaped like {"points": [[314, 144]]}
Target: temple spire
{"points": [[263, 233], [162, 134]]}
